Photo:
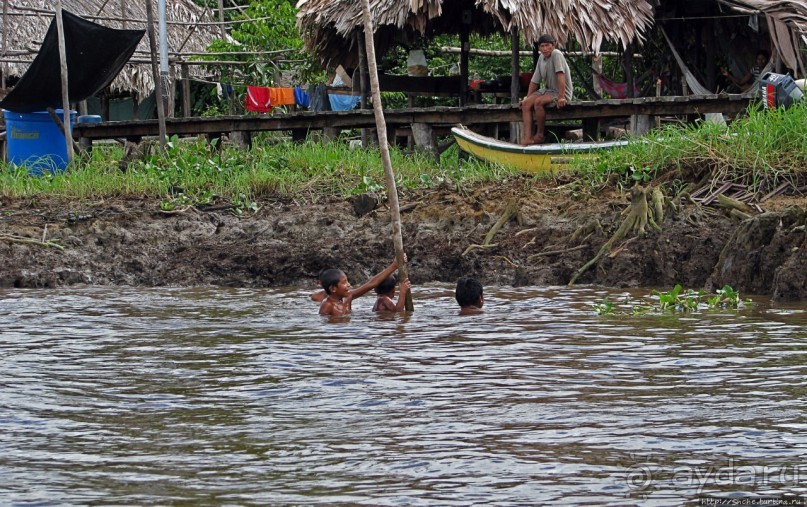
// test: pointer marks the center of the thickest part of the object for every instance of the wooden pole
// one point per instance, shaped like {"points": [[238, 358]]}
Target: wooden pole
{"points": [[186, 90], [363, 85], [155, 71], [515, 81], [5, 44], [68, 139], [381, 126], [221, 20]]}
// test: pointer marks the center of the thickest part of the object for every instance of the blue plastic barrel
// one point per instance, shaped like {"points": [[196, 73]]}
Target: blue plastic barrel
{"points": [[35, 141]]}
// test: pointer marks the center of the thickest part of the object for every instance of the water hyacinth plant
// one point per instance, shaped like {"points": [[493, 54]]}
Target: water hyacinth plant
{"points": [[676, 300]]}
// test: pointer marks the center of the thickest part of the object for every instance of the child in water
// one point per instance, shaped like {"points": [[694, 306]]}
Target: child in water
{"points": [[469, 295], [340, 295], [386, 291], [318, 296]]}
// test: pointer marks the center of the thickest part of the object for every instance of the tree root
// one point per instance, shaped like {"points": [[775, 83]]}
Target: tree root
{"points": [[509, 212], [639, 217]]}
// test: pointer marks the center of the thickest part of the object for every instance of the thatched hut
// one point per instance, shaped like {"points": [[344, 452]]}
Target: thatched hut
{"points": [[705, 29], [23, 24], [721, 29], [329, 26]]}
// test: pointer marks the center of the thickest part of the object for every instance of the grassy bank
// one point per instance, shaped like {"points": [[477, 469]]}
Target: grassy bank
{"points": [[764, 146]]}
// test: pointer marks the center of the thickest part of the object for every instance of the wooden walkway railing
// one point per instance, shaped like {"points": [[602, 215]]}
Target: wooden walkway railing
{"points": [[590, 112]]}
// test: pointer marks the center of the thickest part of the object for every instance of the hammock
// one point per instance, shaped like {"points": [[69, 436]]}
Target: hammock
{"points": [[692, 82], [616, 90]]}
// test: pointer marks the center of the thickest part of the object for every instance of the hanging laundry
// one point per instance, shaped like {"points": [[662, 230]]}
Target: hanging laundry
{"points": [[257, 99], [301, 97], [616, 90], [343, 102], [281, 97], [319, 101]]}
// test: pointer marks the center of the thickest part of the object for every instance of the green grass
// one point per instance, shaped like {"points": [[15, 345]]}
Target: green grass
{"points": [[764, 146], [193, 172]]}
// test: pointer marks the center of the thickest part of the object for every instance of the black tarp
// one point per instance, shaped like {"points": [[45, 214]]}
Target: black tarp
{"points": [[95, 55]]}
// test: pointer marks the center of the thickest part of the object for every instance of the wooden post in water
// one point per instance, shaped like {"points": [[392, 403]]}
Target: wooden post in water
{"points": [[381, 126], [65, 82]]}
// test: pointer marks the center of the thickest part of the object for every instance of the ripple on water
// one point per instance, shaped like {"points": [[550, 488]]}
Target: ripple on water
{"points": [[247, 396]]}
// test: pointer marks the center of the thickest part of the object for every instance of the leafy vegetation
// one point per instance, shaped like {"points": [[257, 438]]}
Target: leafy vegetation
{"points": [[676, 300], [766, 146]]}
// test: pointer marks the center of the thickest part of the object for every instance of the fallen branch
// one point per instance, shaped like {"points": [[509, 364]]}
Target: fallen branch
{"points": [[733, 204], [556, 252], [507, 259], [525, 231], [471, 248], [19, 239], [739, 215], [178, 211]]}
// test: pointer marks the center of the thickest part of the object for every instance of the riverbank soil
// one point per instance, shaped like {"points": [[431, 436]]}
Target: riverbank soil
{"points": [[549, 232]]}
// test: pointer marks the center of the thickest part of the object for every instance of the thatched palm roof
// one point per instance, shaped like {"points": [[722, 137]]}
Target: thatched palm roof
{"points": [[327, 25], [28, 20], [792, 13]]}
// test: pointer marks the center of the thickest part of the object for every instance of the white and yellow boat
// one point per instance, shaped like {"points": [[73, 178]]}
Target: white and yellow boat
{"points": [[537, 158]]}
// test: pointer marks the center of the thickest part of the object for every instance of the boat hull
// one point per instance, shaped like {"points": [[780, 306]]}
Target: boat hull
{"points": [[538, 158]]}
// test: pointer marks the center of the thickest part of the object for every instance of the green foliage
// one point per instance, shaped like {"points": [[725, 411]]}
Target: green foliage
{"points": [[605, 307], [676, 300], [724, 298], [265, 31]]}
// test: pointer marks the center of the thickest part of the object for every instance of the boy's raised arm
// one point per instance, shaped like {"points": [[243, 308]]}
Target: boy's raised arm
{"points": [[377, 279]]}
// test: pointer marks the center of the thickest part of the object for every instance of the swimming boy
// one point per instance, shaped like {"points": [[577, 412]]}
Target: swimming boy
{"points": [[340, 295], [469, 295], [318, 296], [386, 291]]}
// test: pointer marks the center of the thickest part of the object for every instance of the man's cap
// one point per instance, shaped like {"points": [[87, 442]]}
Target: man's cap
{"points": [[546, 38]]}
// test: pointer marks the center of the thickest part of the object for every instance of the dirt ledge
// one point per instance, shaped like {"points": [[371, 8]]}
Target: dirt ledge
{"points": [[131, 242]]}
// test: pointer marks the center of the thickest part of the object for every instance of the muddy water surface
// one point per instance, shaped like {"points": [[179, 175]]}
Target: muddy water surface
{"points": [[155, 396]]}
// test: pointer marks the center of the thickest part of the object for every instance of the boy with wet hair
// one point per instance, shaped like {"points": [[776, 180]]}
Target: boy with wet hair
{"points": [[340, 294], [318, 296], [469, 295], [386, 291]]}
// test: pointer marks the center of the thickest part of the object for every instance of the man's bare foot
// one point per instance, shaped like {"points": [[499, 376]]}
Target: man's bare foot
{"points": [[527, 141], [538, 140]]}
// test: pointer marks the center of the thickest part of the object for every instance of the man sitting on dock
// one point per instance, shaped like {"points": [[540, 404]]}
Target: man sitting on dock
{"points": [[553, 71]]}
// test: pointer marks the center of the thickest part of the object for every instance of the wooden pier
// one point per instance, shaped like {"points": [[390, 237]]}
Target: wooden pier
{"points": [[300, 123]]}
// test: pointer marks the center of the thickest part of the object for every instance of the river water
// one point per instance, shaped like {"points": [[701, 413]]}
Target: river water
{"points": [[234, 396]]}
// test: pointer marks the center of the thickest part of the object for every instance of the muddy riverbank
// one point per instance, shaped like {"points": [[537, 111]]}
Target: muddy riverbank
{"points": [[554, 231]]}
